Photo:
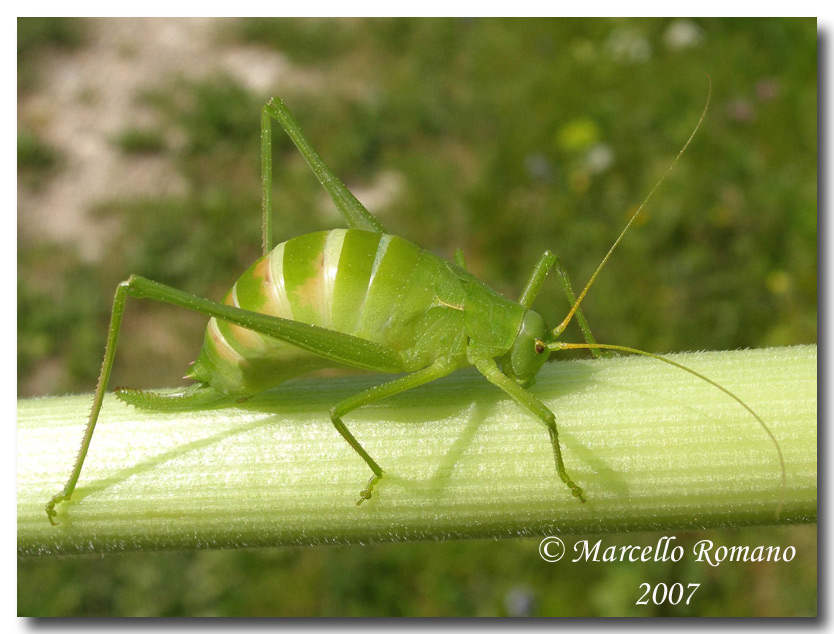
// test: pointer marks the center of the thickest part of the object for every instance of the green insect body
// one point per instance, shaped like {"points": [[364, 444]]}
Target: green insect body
{"points": [[374, 286], [360, 298]]}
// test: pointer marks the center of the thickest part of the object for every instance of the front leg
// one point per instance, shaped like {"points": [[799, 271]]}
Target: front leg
{"points": [[493, 374], [580, 317], [534, 284]]}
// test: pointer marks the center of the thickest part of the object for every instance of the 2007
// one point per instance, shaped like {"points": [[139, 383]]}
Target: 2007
{"points": [[668, 594]]}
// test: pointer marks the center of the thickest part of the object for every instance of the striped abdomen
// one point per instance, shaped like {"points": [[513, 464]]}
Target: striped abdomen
{"points": [[374, 286]]}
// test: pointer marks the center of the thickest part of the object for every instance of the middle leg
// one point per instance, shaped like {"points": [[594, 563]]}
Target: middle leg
{"points": [[435, 371]]}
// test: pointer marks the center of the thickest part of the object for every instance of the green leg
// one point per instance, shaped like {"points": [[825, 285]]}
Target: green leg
{"points": [[266, 180], [321, 341], [531, 290], [460, 259], [107, 365], [329, 344], [437, 370], [351, 209], [534, 284], [493, 374], [583, 324]]}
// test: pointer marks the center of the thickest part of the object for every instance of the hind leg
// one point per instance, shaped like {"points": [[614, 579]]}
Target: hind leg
{"points": [[351, 209], [325, 343]]}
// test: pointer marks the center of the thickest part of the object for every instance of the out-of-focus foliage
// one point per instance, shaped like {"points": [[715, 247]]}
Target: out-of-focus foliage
{"points": [[34, 36], [36, 160], [503, 138]]}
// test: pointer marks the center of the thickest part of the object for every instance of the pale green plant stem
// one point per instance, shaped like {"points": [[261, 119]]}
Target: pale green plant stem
{"points": [[653, 448]]}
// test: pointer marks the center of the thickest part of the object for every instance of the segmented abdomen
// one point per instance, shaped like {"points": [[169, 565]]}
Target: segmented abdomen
{"points": [[374, 286]]}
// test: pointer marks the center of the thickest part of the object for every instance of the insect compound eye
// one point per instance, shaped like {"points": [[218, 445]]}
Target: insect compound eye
{"points": [[539, 347]]}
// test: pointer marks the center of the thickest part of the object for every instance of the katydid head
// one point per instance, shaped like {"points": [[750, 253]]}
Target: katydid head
{"points": [[528, 352]]}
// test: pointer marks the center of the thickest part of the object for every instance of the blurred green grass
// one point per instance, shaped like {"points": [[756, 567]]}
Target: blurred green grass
{"points": [[503, 138]]}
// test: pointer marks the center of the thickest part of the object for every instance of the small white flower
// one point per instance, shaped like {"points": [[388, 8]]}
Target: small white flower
{"points": [[599, 158], [682, 34]]}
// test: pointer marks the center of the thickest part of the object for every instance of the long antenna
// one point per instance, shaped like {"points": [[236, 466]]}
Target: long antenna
{"points": [[558, 330]]}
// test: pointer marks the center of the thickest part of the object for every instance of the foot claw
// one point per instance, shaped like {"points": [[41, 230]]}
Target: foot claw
{"points": [[50, 507], [367, 492], [577, 492]]}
